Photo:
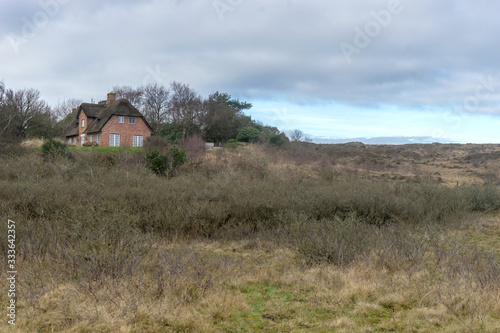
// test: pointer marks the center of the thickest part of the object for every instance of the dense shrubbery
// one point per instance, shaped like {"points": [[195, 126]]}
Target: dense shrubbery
{"points": [[53, 148], [96, 216], [165, 164]]}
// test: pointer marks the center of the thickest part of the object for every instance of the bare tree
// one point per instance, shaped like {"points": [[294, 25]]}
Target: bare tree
{"points": [[186, 107], [65, 108], [296, 135], [2, 92], [133, 95], [156, 105], [23, 109], [65, 113]]}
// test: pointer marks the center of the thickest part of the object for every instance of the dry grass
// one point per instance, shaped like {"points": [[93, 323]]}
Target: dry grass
{"points": [[255, 286], [32, 143], [339, 238]]}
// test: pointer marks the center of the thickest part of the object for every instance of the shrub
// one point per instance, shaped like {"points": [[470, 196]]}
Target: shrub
{"points": [[176, 157], [248, 134], [157, 162], [481, 198], [91, 144], [171, 132], [337, 241], [232, 143], [277, 140], [194, 146], [53, 148], [156, 142], [165, 164]]}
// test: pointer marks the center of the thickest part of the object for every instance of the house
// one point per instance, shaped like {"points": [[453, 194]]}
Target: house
{"points": [[115, 123]]}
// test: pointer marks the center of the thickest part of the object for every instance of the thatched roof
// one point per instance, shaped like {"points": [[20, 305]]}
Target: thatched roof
{"points": [[73, 131], [90, 110]]}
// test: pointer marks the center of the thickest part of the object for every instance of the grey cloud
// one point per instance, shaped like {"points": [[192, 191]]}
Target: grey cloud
{"points": [[430, 54]]}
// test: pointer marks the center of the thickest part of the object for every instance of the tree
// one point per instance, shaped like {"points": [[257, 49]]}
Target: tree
{"points": [[186, 108], [65, 114], [223, 117], [2, 92], [171, 132], [24, 113], [219, 121], [225, 98], [156, 105], [248, 134], [296, 135], [133, 95], [278, 139]]}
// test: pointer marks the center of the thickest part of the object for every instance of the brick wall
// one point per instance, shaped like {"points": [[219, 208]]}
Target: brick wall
{"points": [[126, 131], [80, 128]]}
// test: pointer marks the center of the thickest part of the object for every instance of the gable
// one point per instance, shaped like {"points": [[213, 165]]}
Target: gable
{"points": [[120, 107]]}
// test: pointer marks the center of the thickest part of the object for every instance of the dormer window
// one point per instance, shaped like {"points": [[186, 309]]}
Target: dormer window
{"points": [[83, 122], [121, 120]]}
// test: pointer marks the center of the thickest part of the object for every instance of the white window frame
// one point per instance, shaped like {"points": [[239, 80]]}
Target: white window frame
{"points": [[83, 123], [113, 138], [91, 138], [131, 120], [137, 141], [121, 119], [97, 138], [74, 140]]}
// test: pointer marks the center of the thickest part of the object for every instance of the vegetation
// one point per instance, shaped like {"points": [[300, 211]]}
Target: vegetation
{"points": [[165, 164], [257, 238], [175, 112], [53, 148]]}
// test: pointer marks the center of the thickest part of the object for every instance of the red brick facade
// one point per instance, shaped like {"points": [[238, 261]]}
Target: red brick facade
{"points": [[81, 129], [125, 130]]}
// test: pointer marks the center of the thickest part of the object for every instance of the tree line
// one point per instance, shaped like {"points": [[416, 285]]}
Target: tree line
{"points": [[178, 111], [174, 112]]}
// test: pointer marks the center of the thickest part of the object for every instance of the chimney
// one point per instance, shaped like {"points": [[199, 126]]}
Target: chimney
{"points": [[111, 98]]}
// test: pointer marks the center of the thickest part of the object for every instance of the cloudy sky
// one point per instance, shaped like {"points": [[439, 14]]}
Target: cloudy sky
{"points": [[423, 69]]}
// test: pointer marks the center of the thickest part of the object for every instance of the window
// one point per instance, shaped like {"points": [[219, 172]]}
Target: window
{"points": [[69, 140], [83, 122], [137, 141], [97, 138], [114, 140], [131, 120], [91, 138], [121, 120], [74, 140]]}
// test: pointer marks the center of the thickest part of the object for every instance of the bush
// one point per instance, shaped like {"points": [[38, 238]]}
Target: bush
{"points": [[157, 162], [248, 134], [171, 132], [339, 242], [91, 144], [194, 146], [156, 142], [53, 148], [277, 140], [232, 143], [165, 164]]}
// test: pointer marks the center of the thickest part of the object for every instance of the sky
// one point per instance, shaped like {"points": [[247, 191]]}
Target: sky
{"points": [[368, 70]]}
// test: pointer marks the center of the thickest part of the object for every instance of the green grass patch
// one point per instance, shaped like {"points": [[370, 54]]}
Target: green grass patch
{"points": [[113, 149]]}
